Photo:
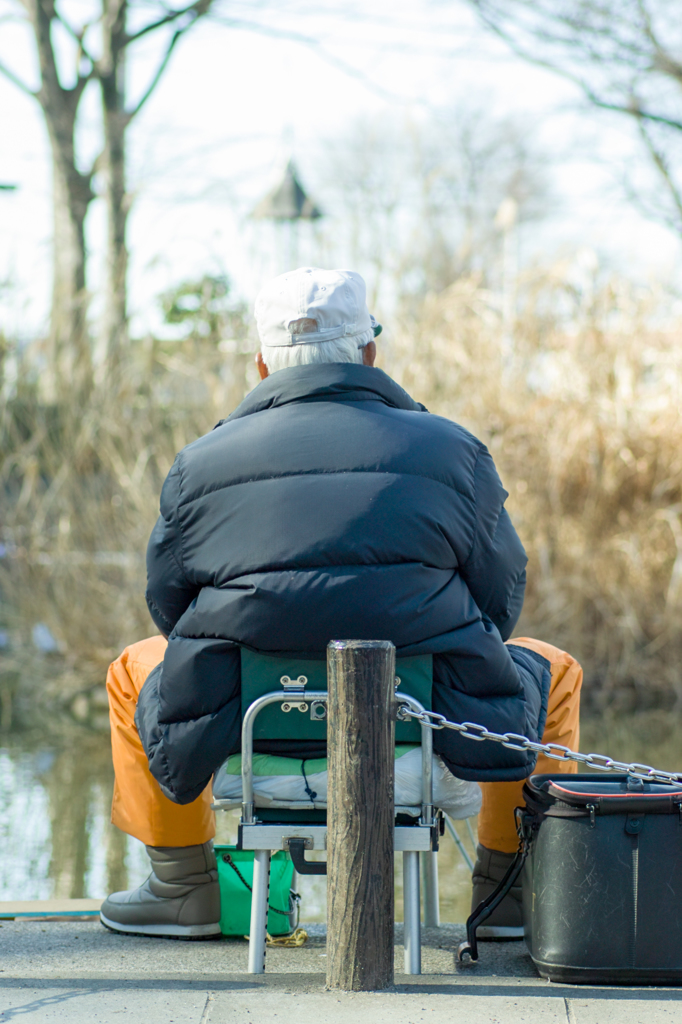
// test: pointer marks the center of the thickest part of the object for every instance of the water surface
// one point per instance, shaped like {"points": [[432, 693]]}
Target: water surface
{"points": [[55, 793]]}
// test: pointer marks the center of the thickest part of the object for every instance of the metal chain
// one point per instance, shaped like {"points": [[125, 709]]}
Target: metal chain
{"points": [[512, 740]]}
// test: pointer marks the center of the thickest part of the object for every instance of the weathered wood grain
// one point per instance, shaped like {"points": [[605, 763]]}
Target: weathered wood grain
{"points": [[360, 745]]}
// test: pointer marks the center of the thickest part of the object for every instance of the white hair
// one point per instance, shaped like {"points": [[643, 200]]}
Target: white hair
{"points": [[343, 350]]}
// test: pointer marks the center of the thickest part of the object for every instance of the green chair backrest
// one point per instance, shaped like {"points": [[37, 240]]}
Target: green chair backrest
{"points": [[261, 673]]}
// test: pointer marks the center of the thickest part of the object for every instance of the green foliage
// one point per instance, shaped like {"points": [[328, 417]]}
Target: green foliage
{"points": [[202, 307]]}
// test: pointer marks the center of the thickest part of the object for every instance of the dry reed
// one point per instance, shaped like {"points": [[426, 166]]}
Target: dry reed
{"points": [[80, 494], [579, 403], [578, 400]]}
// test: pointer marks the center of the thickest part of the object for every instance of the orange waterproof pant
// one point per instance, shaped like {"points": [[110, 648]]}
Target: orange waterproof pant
{"points": [[496, 825], [140, 808]]}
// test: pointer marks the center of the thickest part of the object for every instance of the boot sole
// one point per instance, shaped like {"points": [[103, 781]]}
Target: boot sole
{"points": [[164, 931], [499, 932]]}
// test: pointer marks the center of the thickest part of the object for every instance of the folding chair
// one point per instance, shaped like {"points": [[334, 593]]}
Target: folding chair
{"points": [[299, 687]]}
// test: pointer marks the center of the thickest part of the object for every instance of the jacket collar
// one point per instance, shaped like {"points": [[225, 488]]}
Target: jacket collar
{"points": [[325, 382]]}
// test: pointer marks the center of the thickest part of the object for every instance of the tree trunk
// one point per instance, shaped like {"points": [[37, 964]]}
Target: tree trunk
{"points": [[115, 325], [69, 359], [115, 123]]}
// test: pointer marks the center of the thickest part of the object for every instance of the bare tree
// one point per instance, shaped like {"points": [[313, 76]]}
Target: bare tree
{"points": [[70, 361], [415, 203], [626, 57], [117, 114], [100, 43], [72, 195]]}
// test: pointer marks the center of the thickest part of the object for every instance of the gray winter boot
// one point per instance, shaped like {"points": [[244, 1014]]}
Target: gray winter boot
{"points": [[179, 900], [506, 921]]}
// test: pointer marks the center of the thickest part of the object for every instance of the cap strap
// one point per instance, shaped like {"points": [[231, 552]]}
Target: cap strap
{"points": [[289, 339]]}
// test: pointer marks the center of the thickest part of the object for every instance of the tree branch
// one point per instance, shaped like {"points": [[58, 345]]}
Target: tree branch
{"points": [[197, 9], [78, 37], [311, 43], [202, 6], [17, 81], [159, 71], [636, 48], [619, 108], [661, 166], [663, 61]]}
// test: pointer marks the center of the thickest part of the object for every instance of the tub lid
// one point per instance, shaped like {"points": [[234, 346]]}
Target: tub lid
{"points": [[560, 795]]}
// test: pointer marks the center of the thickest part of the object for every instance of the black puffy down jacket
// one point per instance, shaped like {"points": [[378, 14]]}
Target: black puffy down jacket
{"points": [[331, 505]]}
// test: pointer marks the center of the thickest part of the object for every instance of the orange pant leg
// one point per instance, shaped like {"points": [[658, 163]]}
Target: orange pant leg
{"points": [[496, 825], [139, 807]]}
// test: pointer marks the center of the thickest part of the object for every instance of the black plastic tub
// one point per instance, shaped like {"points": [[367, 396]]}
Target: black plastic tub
{"points": [[602, 884]]}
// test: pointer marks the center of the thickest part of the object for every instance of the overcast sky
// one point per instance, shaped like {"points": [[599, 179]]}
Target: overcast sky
{"points": [[234, 102]]}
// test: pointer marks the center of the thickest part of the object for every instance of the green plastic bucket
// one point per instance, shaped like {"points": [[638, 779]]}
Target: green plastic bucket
{"points": [[235, 897]]}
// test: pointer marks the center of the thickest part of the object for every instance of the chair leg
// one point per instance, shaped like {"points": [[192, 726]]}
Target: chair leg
{"points": [[429, 863], [413, 938], [259, 911]]}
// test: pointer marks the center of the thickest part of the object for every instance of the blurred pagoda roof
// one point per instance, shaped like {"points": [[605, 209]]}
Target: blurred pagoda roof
{"points": [[287, 200]]}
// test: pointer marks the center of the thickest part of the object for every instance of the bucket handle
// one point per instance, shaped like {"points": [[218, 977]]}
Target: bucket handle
{"points": [[468, 950]]}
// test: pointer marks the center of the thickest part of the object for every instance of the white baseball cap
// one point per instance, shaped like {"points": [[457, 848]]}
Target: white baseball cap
{"points": [[332, 302]]}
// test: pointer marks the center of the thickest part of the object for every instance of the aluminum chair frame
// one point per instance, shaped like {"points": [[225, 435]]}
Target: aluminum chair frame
{"points": [[410, 840]]}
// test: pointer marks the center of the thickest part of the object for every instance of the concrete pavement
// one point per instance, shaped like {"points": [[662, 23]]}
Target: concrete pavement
{"points": [[76, 971]]}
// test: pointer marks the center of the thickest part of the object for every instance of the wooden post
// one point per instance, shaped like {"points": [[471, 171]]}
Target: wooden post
{"points": [[360, 816]]}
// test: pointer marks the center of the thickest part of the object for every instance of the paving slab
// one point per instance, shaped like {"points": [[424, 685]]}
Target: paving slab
{"points": [[75, 970], [397, 1007], [100, 1003]]}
